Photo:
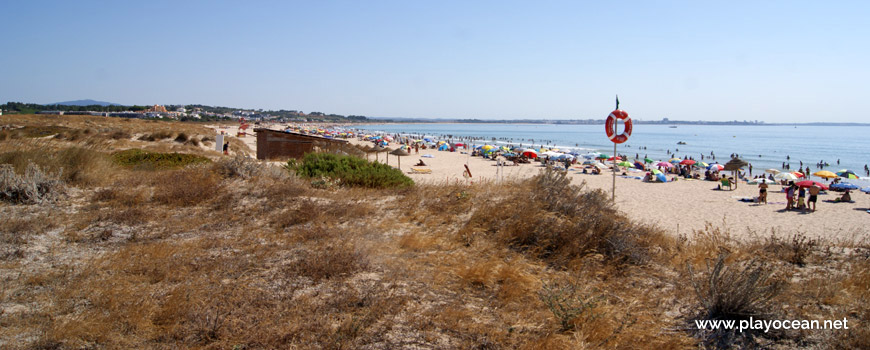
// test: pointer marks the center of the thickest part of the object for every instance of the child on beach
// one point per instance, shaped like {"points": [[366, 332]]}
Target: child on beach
{"points": [[801, 195], [789, 196]]}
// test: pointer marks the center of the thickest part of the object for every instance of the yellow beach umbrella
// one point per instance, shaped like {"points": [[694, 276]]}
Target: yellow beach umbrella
{"points": [[825, 174]]}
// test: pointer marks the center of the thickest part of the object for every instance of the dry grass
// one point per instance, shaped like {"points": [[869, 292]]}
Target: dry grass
{"points": [[236, 254]]}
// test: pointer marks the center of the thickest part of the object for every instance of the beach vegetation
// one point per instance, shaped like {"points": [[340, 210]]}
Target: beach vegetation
{"points": [[350, 171], [237, 253], [147, 160]]}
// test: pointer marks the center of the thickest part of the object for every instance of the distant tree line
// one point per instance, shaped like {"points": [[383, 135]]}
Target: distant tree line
{"points": [[29, 108]]}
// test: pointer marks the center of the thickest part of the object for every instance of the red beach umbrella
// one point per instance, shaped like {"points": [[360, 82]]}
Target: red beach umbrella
{"points": [[687, 162], [798, 173], [612, 158], [810, 183]]}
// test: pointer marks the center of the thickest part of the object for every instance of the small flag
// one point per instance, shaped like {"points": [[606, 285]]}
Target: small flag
{"points": [[617, 101]]}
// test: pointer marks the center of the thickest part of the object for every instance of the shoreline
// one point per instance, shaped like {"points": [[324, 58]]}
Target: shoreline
{"points": [[680, 208]]}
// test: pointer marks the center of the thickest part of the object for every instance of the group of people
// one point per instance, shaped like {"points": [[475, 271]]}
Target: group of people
{"points": [[800, 202]]}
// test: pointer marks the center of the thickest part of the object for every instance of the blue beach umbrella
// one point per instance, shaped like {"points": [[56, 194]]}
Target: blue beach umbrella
{"points": [[843, 186], [866, 189]]}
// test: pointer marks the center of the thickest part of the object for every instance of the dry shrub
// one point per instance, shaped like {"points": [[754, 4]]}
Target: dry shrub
{"points": [[336, 259], [569, 304], [553, 219], [74, 165], [181, 138], [187, 187], [34, 186], [735, 291], [795, 251], [120, 134]]}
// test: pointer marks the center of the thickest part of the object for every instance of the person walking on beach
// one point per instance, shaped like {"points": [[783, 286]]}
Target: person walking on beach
{"points": [[814, 195]]}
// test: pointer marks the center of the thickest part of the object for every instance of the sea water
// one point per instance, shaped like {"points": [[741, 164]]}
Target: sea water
{"points": [[764, 146]]}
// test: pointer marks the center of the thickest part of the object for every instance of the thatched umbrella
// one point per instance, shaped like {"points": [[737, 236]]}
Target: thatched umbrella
{"points": [[735, 164], [399, 153], [376, 150], [366, 149]]}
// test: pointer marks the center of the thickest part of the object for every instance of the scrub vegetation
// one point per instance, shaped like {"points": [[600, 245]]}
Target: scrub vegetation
{"points": [[238, 254]]}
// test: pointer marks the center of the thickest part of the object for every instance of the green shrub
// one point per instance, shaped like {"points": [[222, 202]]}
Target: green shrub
{"points": [[350, 171], [140, 159]]}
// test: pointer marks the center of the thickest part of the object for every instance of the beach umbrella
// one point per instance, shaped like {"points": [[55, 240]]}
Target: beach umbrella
{"points": [[614, 158], [761, 180], [866, 189], [675, 160], [665, 164], [589, 162], [601, 156], [810, 183], [687, 162], [772, 171], [625, 164], [458, 144], [715, 167], [785, 176], [387, 157], [376, 150], [798, 173], [599, 165], [647, 160], [656, 171], [639, 165], [399, 153], [530, 153], [825, 174], [735, 164], [701, 164], [844, 186], [847, 174]]}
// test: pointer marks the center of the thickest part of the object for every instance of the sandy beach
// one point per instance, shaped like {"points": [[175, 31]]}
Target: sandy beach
{"points": [[680, 208]]}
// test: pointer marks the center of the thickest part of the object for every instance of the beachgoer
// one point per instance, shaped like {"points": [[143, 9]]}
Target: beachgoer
{"points": [[814, 193], [762, 192], [846, 197], [789, 196], [227, 148], [800, 200]]}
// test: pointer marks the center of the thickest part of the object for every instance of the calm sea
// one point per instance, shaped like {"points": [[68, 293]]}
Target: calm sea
{"points": [[763, 146]]}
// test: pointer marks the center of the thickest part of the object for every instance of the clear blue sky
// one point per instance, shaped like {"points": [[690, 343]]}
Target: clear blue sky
{"points": [[776, 61]]}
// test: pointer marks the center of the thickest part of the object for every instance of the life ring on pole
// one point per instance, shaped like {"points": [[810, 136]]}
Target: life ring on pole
{"points": [[610, 126]]}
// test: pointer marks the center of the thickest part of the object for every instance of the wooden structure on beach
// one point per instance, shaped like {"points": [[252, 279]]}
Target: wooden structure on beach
{"points": [[278, 145]]}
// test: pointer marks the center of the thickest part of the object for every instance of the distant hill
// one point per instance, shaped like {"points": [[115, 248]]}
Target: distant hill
{"points": [[85, 103]]}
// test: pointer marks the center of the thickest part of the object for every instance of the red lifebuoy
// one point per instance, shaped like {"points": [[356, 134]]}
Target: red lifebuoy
{"points": [[610, 124]]}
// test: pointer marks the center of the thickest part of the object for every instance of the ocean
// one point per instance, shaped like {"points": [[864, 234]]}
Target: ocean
{"points": [[764, 146]]}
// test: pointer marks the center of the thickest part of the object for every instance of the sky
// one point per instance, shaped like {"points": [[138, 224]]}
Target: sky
{"points": [[772, 61]]}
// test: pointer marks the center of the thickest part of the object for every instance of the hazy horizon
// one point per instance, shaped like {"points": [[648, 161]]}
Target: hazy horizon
{"points": [[777, 62]]}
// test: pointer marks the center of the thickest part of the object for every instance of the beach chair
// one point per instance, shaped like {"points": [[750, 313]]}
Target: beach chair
{"points": [[420, 171]]}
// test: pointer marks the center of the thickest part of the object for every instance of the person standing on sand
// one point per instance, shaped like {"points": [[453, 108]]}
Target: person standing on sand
{"points": [[227, 148], [762, 192], [814, 193], [802, 193], [789, 196]]}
